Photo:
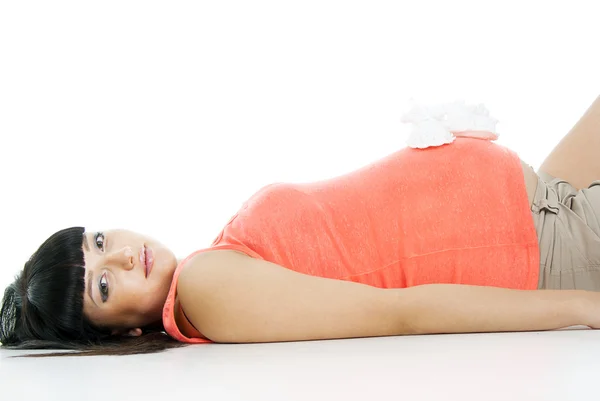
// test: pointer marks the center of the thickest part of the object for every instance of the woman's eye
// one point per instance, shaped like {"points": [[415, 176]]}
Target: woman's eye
{"points": [[99, 244], [103, 286]]}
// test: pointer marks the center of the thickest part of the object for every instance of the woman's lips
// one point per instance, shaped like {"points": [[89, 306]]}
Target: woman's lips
{"points": [[143, 259], [148, 260]]}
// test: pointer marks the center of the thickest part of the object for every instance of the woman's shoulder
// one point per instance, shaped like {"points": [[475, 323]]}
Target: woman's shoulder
{"points": [[216, 254], [187, 275], [209, 258]]}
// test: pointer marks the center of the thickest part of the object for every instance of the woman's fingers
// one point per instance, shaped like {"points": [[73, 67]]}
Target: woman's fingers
{"points": [[490, 136]]}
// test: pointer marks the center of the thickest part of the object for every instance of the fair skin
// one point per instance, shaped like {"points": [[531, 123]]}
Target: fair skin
{"points": [[122, 298], [575, 159], [231, 297]]}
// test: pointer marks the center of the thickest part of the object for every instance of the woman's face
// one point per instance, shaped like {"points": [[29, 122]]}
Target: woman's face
{"points": [[120, 293]]}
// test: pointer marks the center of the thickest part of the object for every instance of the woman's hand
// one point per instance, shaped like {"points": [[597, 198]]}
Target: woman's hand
{"points": [[589, 309], [487, 135]]}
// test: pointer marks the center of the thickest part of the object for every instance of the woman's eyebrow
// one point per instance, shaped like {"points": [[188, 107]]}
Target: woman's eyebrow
{"points": [[85, 242], [89, 286], [89, 272]]}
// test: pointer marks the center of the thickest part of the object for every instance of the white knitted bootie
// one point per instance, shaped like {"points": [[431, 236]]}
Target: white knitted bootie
{"points": [[440, 124]]}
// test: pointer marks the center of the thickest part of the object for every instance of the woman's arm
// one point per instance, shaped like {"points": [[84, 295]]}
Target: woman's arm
{"points": [[234, 298]]}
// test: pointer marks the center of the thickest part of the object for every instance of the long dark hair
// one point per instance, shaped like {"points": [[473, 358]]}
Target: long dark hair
{"points": [[43, 307]]}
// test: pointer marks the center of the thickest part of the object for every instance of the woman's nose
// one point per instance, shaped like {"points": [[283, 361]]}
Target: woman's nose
{"points": [[123, 257]]}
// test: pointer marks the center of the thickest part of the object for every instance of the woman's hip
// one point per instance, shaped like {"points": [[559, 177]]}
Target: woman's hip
{"points": [[567, 223]]}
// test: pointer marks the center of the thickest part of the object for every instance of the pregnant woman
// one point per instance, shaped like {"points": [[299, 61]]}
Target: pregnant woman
{"points": [[457, 237]]}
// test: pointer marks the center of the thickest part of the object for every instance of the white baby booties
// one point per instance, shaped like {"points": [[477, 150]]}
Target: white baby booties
{"points": [[436, 125]]}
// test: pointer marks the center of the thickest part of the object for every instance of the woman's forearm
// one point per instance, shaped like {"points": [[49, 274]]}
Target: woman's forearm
{"points": [[449, 308]]}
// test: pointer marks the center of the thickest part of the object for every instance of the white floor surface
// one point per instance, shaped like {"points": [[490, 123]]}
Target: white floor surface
{"points": [[558, 365]]}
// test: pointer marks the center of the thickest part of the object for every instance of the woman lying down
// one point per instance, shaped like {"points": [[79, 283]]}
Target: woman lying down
{"points": [[452, 234]]}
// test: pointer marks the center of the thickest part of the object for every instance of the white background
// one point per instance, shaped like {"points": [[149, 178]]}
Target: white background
{"points": [[163, 117]]}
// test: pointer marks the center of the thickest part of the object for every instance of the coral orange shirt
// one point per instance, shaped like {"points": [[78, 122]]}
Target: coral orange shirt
{"points": [[457, 213]]}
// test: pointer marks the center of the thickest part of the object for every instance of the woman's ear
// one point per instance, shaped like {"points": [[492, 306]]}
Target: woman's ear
{"points": [[128, 333], [134, 332]]}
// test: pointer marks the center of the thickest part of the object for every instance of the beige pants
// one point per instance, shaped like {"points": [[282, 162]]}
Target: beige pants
{"points": [[567, 222]]}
